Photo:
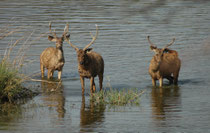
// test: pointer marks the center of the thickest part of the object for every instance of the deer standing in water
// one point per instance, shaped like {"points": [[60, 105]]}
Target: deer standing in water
{"points": [[52, 58], [164, 64], [90, 64]]}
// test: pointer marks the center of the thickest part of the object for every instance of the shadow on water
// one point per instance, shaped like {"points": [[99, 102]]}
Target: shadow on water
{"points": [[91, 115], [166, 103], [53, 96]]}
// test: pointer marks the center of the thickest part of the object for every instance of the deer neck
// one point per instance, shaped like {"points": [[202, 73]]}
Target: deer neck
{"points": [[155, 65], [60, 54], [86, 64]]}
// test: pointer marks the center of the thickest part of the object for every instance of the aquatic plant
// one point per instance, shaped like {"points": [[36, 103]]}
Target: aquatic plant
{"points": [[117, 97]]}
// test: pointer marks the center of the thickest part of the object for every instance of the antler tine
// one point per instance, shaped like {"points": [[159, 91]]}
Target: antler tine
{"points": [[66, 29], [170, 43], [54, 34], [93, 38], [150, 41]]}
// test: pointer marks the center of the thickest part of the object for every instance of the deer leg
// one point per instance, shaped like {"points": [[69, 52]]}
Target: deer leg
{"points": [[91, 84], [52, 72], [100, 81], [170, 78], [42, 70], [49, 73], [153, 82], [94, 86], [82, 84], [176, 75], [161, 82], [59, 74]]}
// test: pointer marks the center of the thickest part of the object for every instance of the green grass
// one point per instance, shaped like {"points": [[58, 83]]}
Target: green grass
{"points": [[11, 83], [11, 78], [117, 97]]}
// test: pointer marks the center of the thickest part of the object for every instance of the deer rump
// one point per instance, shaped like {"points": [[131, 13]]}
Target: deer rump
{"points": [[94, 66]]}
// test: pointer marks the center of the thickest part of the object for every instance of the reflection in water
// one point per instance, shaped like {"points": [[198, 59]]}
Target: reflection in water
{"points": [[53, 96], [8, 114], [165, 104], [90, 115]]}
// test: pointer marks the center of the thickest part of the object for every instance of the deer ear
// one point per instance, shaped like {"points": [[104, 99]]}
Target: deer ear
{"points": [[88, 49], [153, 47], [66, 37], [166, 50], [51, 38]]}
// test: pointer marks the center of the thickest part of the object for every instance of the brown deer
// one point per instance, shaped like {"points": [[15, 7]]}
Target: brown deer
{"points": [[90, 63], [52, 58], [164, 63]]}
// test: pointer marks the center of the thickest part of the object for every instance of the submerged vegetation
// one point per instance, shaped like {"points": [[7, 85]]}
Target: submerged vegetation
{"points": [[117, 97]]}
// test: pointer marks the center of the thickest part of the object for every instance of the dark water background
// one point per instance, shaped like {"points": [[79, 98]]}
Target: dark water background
{"points": [[123, 27]]}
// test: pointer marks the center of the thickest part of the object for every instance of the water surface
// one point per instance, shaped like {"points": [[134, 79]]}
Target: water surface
{"points": [[123, 27]]}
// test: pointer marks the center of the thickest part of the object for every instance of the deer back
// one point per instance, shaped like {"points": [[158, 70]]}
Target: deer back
{"points": [[170, 63]]}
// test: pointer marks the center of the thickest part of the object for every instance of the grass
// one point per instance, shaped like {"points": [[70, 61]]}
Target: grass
{"points": [[11, 78], [115, 97], [11, 83]]}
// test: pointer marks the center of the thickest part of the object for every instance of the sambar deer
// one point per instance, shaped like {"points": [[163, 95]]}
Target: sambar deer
{"points": [[164, 63], [90, 64], [52, 58]]}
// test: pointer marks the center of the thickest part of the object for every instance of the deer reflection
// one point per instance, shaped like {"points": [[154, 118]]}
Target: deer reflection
{"points": [[53, 96], [90, 115], [165, 102]]}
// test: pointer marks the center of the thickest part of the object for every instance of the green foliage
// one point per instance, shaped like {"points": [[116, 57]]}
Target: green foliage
{"points": [[10, 82], [117, 97]]}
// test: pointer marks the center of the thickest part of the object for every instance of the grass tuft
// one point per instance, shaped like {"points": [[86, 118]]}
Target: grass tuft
{"points": [[11, 78], [10, 83], [117, 97]]}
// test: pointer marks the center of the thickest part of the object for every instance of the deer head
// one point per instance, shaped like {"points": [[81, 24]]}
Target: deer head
{"points": [[158, 51], [58, 40], [82, 53]]}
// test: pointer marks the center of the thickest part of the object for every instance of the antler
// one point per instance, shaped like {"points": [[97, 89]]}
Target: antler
{"points": [[93, 38], [66, 29], [169, 43], [151, 44], [54, 34]]}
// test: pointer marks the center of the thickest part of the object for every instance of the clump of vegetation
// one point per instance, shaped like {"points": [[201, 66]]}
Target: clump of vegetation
{"points": [[10, 83], [117, 97], [11, 80]]}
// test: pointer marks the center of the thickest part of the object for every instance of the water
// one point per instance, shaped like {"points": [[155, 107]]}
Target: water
{"points": [[123, 27]]}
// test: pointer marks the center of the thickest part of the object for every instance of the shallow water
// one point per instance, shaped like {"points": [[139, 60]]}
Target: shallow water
{"points": [[123, 27]]}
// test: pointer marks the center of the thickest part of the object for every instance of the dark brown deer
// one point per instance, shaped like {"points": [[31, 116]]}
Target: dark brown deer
{"points": [[164, 64], [52, 58], [90, 63]]}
